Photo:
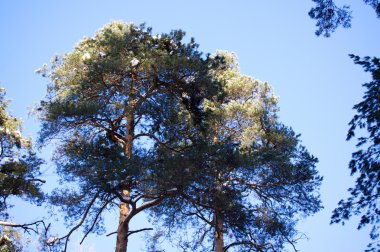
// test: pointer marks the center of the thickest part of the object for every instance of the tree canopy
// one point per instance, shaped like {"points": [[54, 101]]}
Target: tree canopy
{"points": [[248, 179], [329, 16], [19, 170], [364, 197], [118, 93], [148, 121]]}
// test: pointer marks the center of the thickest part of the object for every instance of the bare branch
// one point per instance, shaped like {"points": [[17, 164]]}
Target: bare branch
{"points": [[156, 139], [112, 233], [77, 226], [258, 247], [131, 232], [196, 202], [96, 219], [26, 227], [36, 179], [137, 231]]}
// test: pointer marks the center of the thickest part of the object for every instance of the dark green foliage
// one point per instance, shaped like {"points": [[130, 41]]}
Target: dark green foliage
{"points": [[374, 4], [92, 169], [92, 85], [260, 194], [19, 171], [246, 178], [215, 140], [329, 16], [18, 178], [19, 165], [364, 197], [109, 101]]}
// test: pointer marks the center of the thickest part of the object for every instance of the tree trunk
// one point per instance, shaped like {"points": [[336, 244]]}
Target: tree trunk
{"points": [[122, 231], [218, 241]]}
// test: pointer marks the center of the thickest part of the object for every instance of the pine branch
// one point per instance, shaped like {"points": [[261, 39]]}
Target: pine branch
{"points": [[66, 237], [26, 227]]}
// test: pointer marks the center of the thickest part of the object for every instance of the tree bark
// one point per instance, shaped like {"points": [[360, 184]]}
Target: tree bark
{"points": [[218, 240], [122, 231]]}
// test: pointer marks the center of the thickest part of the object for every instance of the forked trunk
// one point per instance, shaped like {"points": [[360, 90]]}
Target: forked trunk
{"points": [[218, 240]]}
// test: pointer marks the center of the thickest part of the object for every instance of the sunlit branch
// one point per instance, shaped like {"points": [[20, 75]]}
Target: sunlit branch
{"points": [[26, 227]]}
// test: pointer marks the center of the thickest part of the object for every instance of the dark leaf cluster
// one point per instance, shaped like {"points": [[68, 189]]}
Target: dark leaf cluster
{"points": [[329, 16], [259, 194], [365, 195]]}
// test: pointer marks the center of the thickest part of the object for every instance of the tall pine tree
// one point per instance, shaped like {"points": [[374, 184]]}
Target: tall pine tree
{"points": [[110, 99]]}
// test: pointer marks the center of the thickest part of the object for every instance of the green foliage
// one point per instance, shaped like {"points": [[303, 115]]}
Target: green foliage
{"points": [[19, 169], [374, 4], [247, 168], [329, 16], [214, 138], [110, 100], [122, 62], [364, 197], [19, 166], [247, 105]]}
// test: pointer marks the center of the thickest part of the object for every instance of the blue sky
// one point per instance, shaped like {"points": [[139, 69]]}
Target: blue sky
{"points": [[315, 79]]}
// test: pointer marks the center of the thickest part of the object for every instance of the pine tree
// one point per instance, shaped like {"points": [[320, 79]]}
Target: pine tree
{"points": [[116, 95], [19, 171], [364, 197], [247, 180]]}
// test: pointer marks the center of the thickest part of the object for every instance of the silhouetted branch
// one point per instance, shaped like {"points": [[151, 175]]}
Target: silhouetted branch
{"points": [[131, 232], [55, 239], [26, 227], [96, 218]]}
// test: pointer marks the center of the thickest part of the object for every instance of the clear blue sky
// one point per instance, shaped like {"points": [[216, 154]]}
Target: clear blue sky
{"points": [[315, 79]]}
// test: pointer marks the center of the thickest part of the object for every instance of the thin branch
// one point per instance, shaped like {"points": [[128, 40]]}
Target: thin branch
{"points": [[112, 233], [77, 226], [137, 231], [96, 219], [36, 179], [135, 210], [196, 202], [156, 139], [250, 243], [255, 185], [290, 241], [131, 232], [26, 226]]}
